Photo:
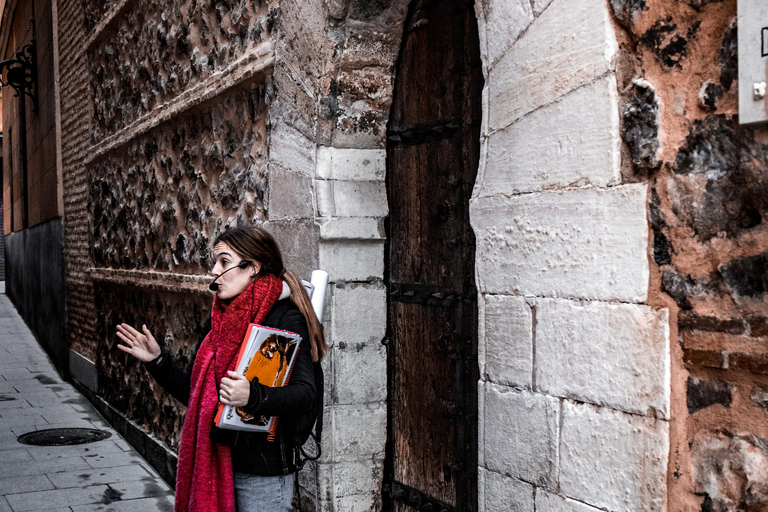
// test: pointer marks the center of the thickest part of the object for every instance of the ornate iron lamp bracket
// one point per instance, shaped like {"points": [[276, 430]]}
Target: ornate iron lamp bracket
{"points": [[20, 72]]}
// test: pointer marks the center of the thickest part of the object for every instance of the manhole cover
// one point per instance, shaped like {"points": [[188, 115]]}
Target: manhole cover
{"points": [[63, 436]]}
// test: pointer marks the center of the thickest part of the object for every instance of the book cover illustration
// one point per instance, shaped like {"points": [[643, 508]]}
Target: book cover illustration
{"points": [[268, 355]]}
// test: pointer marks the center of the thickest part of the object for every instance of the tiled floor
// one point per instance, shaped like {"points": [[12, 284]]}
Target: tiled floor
{"points": [[103, 476]]}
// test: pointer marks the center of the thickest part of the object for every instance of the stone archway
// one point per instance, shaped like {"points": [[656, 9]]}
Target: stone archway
{"points": [[574, 366]]}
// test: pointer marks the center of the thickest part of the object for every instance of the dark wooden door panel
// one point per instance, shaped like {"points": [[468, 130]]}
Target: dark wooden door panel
{"points": [[424, 400], [432, 157]]}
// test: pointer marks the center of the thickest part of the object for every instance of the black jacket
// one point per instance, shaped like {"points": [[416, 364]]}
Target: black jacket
{"points": [[252, 452]]}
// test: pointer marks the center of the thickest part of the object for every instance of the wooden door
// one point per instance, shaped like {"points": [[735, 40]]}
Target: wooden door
{"points": [[432, 154]]}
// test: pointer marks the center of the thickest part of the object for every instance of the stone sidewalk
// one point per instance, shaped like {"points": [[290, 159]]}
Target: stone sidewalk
{"points": [[102, 476]]}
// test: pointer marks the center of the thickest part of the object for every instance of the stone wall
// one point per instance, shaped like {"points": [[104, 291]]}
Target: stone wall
{"points": [[574, 360], [706, 206]]}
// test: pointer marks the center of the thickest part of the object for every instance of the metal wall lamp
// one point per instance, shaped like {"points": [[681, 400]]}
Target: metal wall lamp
{"points": [[21, 74]]}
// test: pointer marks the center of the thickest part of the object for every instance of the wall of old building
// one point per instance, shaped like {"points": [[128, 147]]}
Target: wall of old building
{"points": [[34, 262], [706, 208]]}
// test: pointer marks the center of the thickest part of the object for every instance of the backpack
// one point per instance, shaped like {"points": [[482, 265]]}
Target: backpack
{"points": [[311, 424]]}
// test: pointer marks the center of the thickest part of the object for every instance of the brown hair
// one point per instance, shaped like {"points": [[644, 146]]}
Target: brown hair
{"points": [[252, 243]]}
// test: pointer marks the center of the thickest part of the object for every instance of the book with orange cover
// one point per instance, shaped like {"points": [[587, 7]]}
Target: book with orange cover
{"points": [[267, 354]]}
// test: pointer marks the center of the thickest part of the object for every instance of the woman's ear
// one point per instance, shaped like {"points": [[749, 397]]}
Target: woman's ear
{"points": [[256, 269]]}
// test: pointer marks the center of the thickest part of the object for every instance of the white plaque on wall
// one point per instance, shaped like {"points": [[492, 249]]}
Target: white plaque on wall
{"points": [[753, 58]]}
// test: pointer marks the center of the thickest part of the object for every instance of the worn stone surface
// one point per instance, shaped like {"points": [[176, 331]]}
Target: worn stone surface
{"points": [[521, 434], [642, 130], [569, 45], [730, 470], [503, 21], [613, 460], [499, 492], [572, 142], [702, 393], [606, 354], [717, 158], [164, 49], [547, 502], [358, 313], [626, 10], [710, 95], [154, 208], [508, 341], [337, 198], [351, 164], [587, 243], [177, 322], [729, 57], [359, 432], [668, 42], [352, 260]]}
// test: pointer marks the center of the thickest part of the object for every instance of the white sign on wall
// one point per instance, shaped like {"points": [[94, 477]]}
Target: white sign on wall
{"points": [[753, 60]]}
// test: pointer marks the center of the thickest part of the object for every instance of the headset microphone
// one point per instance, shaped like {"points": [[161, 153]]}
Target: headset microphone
{"points": [[215, 286]]}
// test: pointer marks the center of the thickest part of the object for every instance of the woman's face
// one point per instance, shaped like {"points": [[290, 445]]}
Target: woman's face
{"points": [[235, 282]]}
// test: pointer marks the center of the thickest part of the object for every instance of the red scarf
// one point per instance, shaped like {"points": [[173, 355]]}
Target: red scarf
{"points": [[204, 479]]}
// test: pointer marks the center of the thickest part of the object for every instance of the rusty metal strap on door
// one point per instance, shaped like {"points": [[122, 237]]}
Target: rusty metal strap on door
{"points": [[428, 295], [416, 499]]}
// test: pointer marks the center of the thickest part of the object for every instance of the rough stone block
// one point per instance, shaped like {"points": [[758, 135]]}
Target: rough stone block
{"points": [[540, 5], [585, 243], [352, 261], [703, 393], [290, 194], [613, 460], [360, 373], [359, 432], [351, 198], [508, 340], [297, 241], [615, 355], [291, 149], [569, 45], [351, 228], [359, 313], [503, 21], [520, 434], [351, 164], [84, 371], [361, 479], [574, 141], [503, 493], [546, 502]]}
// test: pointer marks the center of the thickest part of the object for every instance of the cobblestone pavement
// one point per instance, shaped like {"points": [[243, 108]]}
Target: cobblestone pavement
{"points": [[103, 476]]}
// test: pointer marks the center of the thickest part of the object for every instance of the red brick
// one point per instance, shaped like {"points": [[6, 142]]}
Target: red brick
{"points": [[707, 358], [750, 363]]}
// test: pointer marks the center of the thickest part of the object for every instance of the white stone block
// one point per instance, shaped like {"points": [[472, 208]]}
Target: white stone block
{"points": [[613, 460], [292, 150], [351, 164], [360, 373], [584, 243], [481, 422], [352, 260], [508, 340], [574, 141], [540, 5], [351, 228], [569, 45], [504, 494], [520, 434], [359, 313], [615, 355], [503, 22], [290, 194], [546, 502], [360, 479], [359, 432], [351, 198]]}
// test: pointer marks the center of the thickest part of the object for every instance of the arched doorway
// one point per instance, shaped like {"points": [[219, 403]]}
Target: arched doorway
{"points": [[433, 153]]}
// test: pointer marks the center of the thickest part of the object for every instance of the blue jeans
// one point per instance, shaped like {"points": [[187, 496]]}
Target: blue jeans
{"points": [[254, 493]]}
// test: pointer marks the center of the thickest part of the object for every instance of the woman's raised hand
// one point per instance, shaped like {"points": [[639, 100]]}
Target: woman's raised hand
{"points": [[142, 346]]}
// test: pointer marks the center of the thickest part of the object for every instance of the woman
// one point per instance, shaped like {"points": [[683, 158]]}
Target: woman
{"points": [[224, 471]]}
